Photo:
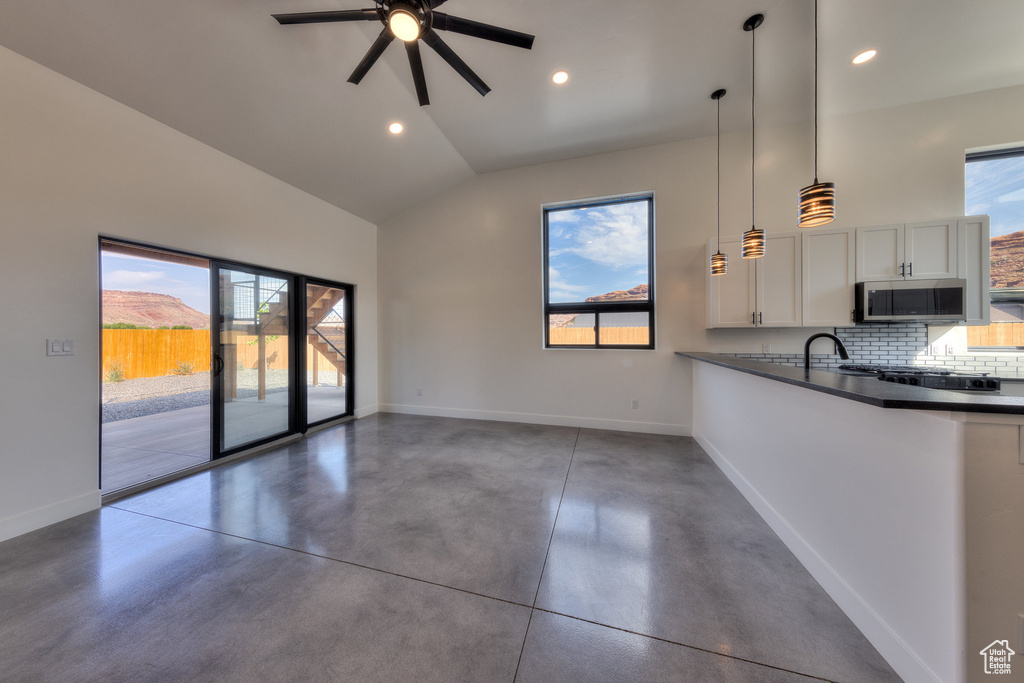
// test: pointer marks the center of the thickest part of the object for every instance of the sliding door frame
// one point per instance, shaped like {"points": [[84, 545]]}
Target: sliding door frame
{"points": [[296, 347], [217, 413], [350, 365]]}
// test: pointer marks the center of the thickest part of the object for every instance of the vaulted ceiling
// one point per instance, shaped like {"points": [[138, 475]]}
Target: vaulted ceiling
{"points": [[276, 97]]}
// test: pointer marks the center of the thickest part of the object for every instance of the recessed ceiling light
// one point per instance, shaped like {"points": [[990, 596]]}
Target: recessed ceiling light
{"points": [[864, 56], [396, 128], [560, 77]]}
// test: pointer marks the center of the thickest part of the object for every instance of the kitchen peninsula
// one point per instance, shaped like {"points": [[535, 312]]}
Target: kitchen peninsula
{"points": [[905, 503]]}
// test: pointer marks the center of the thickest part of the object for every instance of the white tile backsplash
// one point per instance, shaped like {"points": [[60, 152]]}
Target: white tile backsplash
{"points": [[897, 344]]}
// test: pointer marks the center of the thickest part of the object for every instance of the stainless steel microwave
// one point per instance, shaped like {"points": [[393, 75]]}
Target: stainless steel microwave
{"points": [[911, 301]]}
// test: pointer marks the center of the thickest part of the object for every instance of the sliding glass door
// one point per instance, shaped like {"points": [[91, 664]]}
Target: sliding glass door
{"points": [[254, 357], [328, 351]]}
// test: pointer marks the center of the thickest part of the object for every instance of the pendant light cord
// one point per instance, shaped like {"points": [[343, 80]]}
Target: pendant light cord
{"points": [[815, 92], [753, 139], [719, 102]]}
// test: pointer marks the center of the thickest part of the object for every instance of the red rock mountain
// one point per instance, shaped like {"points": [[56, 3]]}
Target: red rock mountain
{"points": [[150, 309], [1008, 260], [638, 293]]}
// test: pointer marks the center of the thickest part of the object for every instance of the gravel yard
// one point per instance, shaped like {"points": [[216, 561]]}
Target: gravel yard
{"points": [[150, 395]]}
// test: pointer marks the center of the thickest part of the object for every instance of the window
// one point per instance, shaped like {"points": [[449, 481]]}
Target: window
{"points": [[599, 273], [994, 183]]}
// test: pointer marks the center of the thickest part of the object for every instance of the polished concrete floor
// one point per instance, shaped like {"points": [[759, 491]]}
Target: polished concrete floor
{"points": [[404, 548]]}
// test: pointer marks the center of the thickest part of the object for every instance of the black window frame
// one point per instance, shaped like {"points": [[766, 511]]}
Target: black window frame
{"points": [[606, 307], [1014, 295]]}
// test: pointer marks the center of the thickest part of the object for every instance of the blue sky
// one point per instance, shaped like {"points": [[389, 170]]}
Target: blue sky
{"points": [[596, 250], [997, 188], [134, 274]]}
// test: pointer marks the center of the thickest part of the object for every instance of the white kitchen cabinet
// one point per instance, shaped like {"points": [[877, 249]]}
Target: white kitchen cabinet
{"points": [[762, 292], [827, 277], [880, 253], [973, 264], [911, 251], [930, 249]]}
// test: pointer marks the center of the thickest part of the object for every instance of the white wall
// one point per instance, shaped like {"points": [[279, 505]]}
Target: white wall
{"points": [[76, 164], [460, 275], [869, 500]]}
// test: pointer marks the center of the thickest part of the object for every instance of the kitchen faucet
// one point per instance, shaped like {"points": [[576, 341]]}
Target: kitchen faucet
{"points": [[839, 347]]}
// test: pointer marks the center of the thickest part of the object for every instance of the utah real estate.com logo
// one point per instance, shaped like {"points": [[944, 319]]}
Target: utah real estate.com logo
{"points": [[997, 657]]}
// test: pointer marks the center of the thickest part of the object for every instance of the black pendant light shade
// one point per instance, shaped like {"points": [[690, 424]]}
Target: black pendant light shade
{"points": [[817, 204], [753, 239], [719, 261], [817, 201], [753, 243]]}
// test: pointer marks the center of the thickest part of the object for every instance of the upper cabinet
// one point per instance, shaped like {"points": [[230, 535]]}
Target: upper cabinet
{"points": [[806, 278], [911, 251], [762, 292], [828, 277], [973, 264]]}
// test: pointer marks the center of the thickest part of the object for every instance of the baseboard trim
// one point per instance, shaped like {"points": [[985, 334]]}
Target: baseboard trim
{"points": [[366, 410], [30, 520], [534, 418], [893, 649]]}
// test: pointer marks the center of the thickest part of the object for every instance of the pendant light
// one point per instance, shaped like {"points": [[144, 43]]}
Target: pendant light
{"points": [[719, 261], [817, 201], [753, 239]]}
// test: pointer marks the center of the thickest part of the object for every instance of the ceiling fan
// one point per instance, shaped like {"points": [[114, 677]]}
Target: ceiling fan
{"points": [[411, 21]]}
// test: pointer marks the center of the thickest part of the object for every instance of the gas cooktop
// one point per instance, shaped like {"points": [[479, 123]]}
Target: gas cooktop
{"points": [[933, 378]]}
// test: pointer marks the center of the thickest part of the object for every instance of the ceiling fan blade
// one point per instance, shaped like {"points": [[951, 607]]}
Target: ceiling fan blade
{"points": [[416, 64], [431, 38], [372, 55], [321, 17], [446, 22]]}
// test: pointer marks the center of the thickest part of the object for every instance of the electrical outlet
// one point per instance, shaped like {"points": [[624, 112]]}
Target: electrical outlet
{"points": [[419, 392], [767, 348], [635, 403]]}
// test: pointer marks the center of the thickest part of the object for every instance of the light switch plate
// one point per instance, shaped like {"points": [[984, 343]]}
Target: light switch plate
{"points": [[60, 347]]}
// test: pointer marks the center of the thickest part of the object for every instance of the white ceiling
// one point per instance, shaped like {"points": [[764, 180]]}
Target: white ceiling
{"points": [[276, 97]]}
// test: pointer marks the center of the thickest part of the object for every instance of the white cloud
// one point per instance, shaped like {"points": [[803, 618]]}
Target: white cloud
{"points": [[614, 236], [132, 278], [560, 291]]}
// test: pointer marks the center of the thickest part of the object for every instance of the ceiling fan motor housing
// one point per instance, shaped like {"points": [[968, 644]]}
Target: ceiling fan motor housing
{"points": [[406, 20]]}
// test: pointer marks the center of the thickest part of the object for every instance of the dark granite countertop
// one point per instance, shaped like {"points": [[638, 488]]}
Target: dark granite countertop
{"points": [[867, 389]]}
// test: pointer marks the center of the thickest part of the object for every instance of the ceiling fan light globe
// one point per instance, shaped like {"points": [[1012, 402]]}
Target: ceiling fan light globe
{"points": [[404, 24]]}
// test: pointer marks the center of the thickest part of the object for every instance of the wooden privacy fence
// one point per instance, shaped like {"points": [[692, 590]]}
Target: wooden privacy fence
{"points": [[996, 334], [609, 335], [155, 353]]}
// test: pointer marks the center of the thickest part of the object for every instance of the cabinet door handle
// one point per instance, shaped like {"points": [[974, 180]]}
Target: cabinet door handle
{"points": [[760, 319], [911, 273], [903, 268], [753, 318]]}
